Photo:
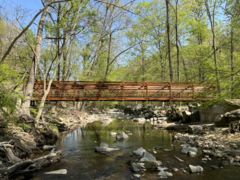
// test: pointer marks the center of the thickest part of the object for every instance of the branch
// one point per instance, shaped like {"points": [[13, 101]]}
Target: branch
{"points": [[123, 52], [25, 29]]}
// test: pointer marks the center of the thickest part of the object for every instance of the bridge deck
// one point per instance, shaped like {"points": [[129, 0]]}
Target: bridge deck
{"points": [[125, 91]]}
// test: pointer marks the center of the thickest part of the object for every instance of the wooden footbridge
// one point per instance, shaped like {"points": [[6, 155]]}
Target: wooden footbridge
{"points": [[125, 91]]}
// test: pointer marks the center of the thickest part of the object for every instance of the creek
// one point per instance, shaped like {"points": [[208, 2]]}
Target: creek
{"points": [[82, 162]]}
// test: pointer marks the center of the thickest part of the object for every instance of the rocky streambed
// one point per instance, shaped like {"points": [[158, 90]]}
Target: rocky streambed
{"points": [[130, 149], [114, 145]]}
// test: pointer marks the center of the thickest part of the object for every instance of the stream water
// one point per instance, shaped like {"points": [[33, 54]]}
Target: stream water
{"points": [[82, 162]]}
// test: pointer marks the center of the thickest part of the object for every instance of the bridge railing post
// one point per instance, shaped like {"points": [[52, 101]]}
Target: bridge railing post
{"points": [[170, 91]]}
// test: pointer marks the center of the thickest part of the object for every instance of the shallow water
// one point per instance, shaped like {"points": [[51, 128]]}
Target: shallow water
{"points": [[82, 162]]}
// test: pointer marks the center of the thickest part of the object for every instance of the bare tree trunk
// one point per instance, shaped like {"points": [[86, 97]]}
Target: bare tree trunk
{"points": [[109, 56], [212, 22], [29, 89], [232, 59], [169, 43], [178, 53]]}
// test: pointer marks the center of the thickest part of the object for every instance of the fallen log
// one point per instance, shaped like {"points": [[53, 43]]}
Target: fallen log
{"points": [[24, 166]]}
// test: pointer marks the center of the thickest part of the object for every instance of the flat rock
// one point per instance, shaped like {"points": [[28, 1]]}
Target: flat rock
{"points": [[136, 167], [147, 157], [185, 150], [139, 151], [60, 171], [48, 147], [195, 169], [192, 154]]}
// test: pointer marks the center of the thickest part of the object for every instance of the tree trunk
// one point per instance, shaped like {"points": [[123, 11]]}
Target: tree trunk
{"points": [[232, 60], [178, 53], [212, 22], [30, 84], [169, 43]]}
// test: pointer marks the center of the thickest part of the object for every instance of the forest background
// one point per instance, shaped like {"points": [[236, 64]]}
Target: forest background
{"points": [[117, 40]]}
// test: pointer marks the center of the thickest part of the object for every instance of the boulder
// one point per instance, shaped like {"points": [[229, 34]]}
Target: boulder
{"points": [[185, 150], [186, 116], [121, 136], [147, 157], [221, 121], [233, 115], [136, 166], [195, 169], [195, 116], [139, 151]]}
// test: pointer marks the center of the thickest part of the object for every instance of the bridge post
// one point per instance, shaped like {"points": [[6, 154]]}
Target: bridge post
{"points": [[170, 91], [193, 91], [122, 91], [74, 90], [99, 91], [147, 91]]}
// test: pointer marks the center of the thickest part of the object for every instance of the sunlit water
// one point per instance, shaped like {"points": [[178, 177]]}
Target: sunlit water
{"points": [[82, 162]]}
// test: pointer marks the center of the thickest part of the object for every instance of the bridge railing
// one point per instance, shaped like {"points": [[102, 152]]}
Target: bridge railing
{"points": [[115, 90]]}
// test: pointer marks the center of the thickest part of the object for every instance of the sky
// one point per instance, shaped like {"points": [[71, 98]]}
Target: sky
{"points": [[29, 4]]}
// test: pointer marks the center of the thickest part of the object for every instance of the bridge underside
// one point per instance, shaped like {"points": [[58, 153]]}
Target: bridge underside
{"points": [[125, 91]]}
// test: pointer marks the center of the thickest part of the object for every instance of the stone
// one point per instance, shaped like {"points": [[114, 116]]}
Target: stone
{"points": [[104, 147], [151, 164], [139, 151], [139, 120], [113, 134], [204, 159], [48, 147], [195, 116], [221, 121], [224, 163], [136, 167], [147, 157], [60, 171], [195, 129], [233, 152], [137, 175], [186, 116], [185, 150], [167, 150], [174, 169], [158, 147], [103, 144], [169, 174], [214, 167], [192, 154], [195, 169], [121, 136], [232, 115], [208, 152], [162, 173], [155, 152]]}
